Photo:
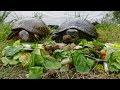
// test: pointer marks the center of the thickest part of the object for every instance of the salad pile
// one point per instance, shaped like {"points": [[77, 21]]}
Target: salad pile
{"points": [[38, 58]]}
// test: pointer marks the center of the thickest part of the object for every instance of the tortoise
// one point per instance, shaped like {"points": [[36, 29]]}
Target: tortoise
{"points": [[75, 29], [29, 29]]}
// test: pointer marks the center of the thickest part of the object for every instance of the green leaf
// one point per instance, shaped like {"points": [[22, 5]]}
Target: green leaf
{"points": [[35, 60], [31, 62], [114, 62], [81, 64], [83, 42], [84, 51], [97, 43], [43, 52], [112, 68], [90, 62], [39, 60], [108, 55], [117, 65], [5, 61], [12, 50], [24, 58], [17, 55], [118, 60], [58, 54], [16, 43], [13, 62], [37, 51], [49, 43], [67, 53], [51, 63], [35, 73], [3, 52], [115, 56], [34, 46], [114, 46]]}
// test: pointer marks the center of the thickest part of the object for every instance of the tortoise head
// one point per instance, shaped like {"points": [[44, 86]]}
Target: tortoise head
{"points": [[67, 39], [24, 35], [73, 33]]}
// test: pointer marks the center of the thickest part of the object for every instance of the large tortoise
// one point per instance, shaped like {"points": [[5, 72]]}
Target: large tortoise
{"points": [[29, 29], [75, 29]]}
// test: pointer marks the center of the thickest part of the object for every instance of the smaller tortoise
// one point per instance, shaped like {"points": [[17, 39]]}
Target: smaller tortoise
{"points": [[29, 29], [75, 29]]}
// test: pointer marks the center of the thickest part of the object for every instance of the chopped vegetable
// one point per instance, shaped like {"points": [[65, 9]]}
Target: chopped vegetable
{"points": [[51, 55], [35, 73]]}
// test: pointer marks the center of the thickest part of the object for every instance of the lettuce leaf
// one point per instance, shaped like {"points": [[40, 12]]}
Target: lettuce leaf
{"points": [[82, 64], [31, 62], [16, 43], [17, 55], [25, 58], [51, 63], [38, 60], [114, 62], [112, 68], [12, 50], [35, 73], [115, 55], [6, 61]]}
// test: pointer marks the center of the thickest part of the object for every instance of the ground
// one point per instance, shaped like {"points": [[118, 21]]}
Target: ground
{"points": [[107, 33]]}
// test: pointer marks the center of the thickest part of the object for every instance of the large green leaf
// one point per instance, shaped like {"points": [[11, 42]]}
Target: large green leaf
{"points": [[6, 61], [12, 50], [118, 61], [51, 63], [90, 62], [35, 73], [117, 65], [38, 60], [115, 56], [81, 64], [112, 68]]}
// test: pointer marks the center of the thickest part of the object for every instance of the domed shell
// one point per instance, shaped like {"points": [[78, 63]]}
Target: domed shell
{"points": [[79, 24], [33, 25]]}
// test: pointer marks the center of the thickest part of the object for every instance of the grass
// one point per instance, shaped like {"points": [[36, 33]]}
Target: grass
{"points": [[108, 32]]}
